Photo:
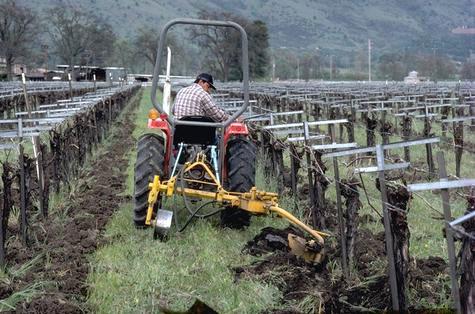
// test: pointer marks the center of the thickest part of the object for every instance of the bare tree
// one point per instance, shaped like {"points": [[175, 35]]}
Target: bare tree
{"points": [[123, 54], [17, 32], [79, 35], [221, 46], [219, 42], [146, 44]]}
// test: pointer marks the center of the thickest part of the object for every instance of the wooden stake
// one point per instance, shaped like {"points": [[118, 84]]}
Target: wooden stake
{"points": [[387, 229], [449, 235], [341, 221]]}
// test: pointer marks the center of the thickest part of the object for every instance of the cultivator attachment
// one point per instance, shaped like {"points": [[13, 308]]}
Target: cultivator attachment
{"points": [[163, 223], [197, 180]]}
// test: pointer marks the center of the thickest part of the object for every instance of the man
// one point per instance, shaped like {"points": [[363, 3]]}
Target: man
{"points": [[195, 100]]}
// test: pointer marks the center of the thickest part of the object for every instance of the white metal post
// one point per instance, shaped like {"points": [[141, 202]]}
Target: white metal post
{"points": [[167, 84]]}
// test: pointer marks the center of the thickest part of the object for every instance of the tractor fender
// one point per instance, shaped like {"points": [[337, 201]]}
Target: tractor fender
{"points": [[235, 128], [162, 125]]}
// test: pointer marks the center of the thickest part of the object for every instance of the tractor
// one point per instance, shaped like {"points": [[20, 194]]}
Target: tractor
{"points": [[203, 160]]}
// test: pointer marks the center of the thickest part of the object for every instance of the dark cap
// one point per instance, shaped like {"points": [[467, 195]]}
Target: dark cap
{"points": [[207, 78]]}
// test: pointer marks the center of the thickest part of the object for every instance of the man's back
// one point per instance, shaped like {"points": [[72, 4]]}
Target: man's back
{"points": [[195, 101]]}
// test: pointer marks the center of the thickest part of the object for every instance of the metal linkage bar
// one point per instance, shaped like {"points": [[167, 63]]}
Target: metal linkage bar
{"points": [[258, 119], [460, 119], [401, 144], [443, 184], [428, 115], [8, 146], [362, 150], [16, 134], [302, 138], [374, 109], [288, 132], [334, 146], [24, 113], [385, 147], [65, 104], [276, 114], [294, 125], [462, 219], [401, 165]]}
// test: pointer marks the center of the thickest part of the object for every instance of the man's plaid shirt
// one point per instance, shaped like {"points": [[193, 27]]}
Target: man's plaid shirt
{"points": [[195, 101]]}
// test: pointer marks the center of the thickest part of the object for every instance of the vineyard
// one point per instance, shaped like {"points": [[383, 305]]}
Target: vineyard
{"points": [[47, 140], [384, 168], [330, 134]]}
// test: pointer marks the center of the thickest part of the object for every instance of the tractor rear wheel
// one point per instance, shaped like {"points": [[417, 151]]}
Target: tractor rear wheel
{"points": [[241, 172], [150, 162]]}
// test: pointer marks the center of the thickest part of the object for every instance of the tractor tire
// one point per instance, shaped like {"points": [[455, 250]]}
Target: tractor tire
{"points": [[241, 173], [150, 162]]}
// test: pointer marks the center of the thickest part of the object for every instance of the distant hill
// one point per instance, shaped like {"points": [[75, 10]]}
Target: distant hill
{"points": [[334, 26]]}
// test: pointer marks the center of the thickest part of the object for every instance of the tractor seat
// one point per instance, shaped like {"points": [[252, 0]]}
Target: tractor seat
{"points": [[195, 134]]}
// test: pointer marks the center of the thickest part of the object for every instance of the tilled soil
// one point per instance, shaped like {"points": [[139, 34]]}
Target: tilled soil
{"points": [[298, 280], [65, 243]]}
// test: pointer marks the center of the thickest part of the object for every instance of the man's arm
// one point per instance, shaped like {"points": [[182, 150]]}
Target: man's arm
{"points": [[212, 110]]}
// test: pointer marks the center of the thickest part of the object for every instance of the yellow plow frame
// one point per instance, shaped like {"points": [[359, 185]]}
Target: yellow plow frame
{"points": [[255, 201]]}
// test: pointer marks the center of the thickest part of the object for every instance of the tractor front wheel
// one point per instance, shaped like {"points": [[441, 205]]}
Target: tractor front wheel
{"points": [[241, 172], [150, 162]]}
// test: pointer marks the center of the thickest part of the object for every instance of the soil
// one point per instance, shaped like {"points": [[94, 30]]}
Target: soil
{"points": [[65, 243], [298, 280]]}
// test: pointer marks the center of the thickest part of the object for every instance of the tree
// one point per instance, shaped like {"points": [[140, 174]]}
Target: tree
{"points": [[310, 65], [285, 64], [258, 51], [392, 67], [18, 27], [221, 46], [123, 54], [80, 37], [437, 67], [146, 44]]}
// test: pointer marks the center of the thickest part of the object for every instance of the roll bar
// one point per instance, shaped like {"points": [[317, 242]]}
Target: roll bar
{"points": [[245, 69]]}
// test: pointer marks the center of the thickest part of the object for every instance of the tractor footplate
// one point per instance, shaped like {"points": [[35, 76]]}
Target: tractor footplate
{"points": [[163, 223]]}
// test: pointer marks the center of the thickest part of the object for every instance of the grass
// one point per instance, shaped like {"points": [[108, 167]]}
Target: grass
{"points": [[134, 273], [59, 204], [9, 276], [26, 294], [425, 208], [426, 232]]}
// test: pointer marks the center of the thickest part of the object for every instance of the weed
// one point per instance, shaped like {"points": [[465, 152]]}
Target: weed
{"points": [[26, 294]]}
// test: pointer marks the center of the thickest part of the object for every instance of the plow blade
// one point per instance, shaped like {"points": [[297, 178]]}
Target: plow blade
{"points": [[163, 223], [311, 251]]}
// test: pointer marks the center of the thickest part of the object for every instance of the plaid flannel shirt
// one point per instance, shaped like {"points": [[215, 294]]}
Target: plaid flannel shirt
{"points": [[195, 101]]}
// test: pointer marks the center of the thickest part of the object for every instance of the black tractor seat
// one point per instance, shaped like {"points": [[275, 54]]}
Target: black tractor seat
{"points": [[195, 134]]}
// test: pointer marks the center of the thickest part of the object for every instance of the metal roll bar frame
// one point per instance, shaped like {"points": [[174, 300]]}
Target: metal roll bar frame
{"points": [[245, 78]]}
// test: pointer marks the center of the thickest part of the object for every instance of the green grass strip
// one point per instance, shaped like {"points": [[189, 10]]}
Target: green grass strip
{"points": [[135, 274]]}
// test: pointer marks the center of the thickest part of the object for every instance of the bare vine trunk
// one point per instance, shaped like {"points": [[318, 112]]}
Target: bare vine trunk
{"points": [[458, 142], [320, 185], [399, 197], [349, 190], [406, 125], [371, 123]]}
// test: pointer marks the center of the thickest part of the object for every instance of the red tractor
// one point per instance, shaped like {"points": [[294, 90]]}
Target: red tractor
{"points": [[202, 160]]}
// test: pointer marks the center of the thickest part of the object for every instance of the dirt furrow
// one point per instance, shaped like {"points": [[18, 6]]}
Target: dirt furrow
{"points": [[65, 244]]}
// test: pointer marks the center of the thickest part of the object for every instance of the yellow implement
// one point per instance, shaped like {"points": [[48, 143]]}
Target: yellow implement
{"points": [[255, 201]]}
